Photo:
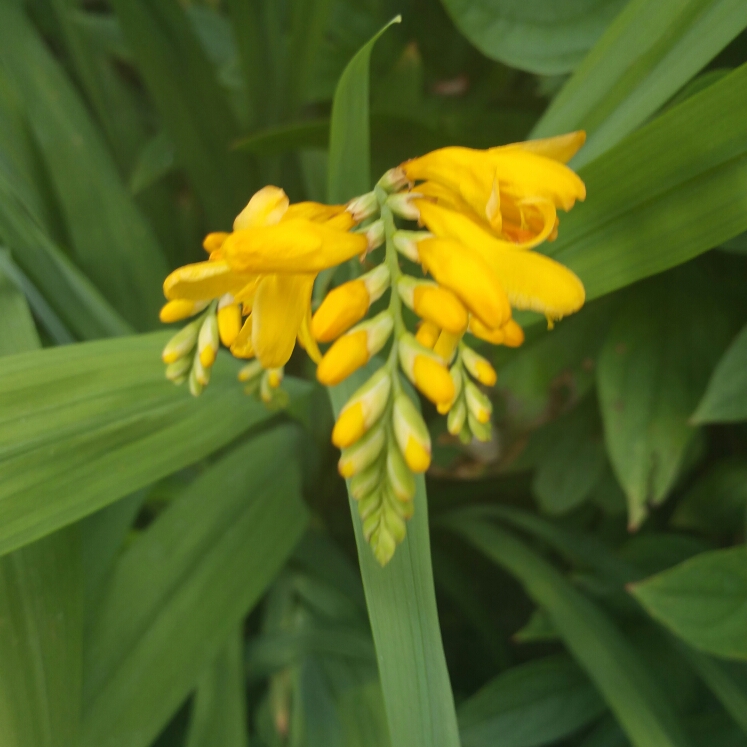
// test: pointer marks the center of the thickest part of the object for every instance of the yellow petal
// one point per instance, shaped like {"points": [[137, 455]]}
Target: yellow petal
{"points": [[265, 208], [465, 272], [560, 148], [530, 280], [427, 334], [433, 380], [350, 426], [291, 246], [341, 309], [513, 334], [348, 354], [279, 307], [180, 308], [214, 241], [202, 281], [446, 345], [229, 323], [493, 336], [441, 307], [306, 339], [242, 346], [334, 215]]}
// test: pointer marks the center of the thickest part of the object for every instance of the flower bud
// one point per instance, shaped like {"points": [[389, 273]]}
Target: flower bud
{"points": [[481, 431], [201, 372], [375, 235], [354, 349], [229, 320], [363, 207], [400, 476], [348, 303], [434, 303], [425, 370], [250, 371], [457, 417], [456, 376], [363, 453], [370, 504], [479, 367], [393, 179], [477, 403], [427, 334], [275, 377], [513, 334], [195, 385], [446, 345], [362, 410], [483, 332], [180, 308], [406, 243], [393, 520], [383, 543], [208, 341], [182, 342], [411, 434], [178, 370], [265, 208], [401, 204], [365, 482], [214, 241]]}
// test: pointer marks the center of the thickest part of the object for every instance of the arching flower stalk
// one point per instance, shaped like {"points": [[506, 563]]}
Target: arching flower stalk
{"points": [[480, 215]]}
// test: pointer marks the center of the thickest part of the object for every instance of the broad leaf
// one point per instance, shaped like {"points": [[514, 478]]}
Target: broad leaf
{"points": [[532, 704], [653, 368], [725, 399], [219, 709], [41, 607], [540, 36], [645, 56], [651, 206], [192, 106], [95, 204], [621, 677], [83, 425], [183, 587], [349, 171], [703, 601]]}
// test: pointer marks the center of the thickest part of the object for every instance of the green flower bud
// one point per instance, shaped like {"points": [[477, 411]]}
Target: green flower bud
{"points": [[400, 476]]}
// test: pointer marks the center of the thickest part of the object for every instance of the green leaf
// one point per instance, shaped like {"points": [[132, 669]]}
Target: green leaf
{"points": [[717, 502], [664, 205], [727, 688], [84, 425], [41, 608], [115, 105], [193, 108], [572, 462], [349, 172], [17, 330], [652, 370], [631, 693], [703, 601], [540, 36], [180, 591], [532, 704], [41, 611], [219, 709], [155, 160], [404, 621], [725, 399], [646, 55], [95, 204]]}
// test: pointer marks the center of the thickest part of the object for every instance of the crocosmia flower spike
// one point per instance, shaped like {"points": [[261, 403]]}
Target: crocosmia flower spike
{"points": [[469, 260]]}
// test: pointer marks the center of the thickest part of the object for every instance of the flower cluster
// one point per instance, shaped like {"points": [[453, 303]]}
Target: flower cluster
{"points": [[479, 215]]}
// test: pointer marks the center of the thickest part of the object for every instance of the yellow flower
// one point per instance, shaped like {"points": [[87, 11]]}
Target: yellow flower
{"points": [[266, 267], [514, 188]]}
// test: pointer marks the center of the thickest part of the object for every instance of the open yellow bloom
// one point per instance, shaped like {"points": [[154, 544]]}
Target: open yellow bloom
{"points": [[267, 266], [514, 188]]}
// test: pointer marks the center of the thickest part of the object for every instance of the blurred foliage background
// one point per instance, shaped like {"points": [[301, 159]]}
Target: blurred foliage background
{"points": [[184, 572]]}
